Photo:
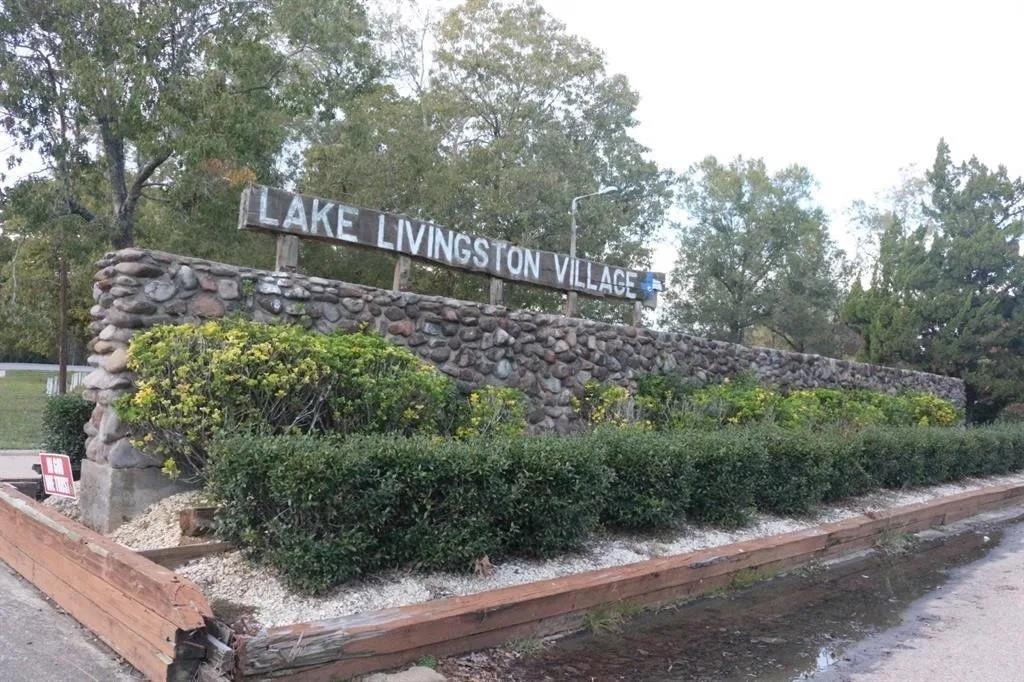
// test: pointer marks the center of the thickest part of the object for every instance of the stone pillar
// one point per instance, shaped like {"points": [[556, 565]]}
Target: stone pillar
{"points": [[118, 481]]}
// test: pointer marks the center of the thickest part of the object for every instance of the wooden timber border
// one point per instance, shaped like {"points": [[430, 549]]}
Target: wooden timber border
{"points": [[343, 647], [149, 615]]}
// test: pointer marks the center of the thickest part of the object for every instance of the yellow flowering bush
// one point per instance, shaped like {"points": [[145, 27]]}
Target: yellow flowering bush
{"points": [[493, 411], [194, 381]]}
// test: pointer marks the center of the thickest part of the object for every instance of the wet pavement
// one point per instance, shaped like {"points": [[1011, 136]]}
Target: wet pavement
{"points": [[847, 621]]}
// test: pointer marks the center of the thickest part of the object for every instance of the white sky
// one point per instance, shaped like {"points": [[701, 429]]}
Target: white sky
{"points": [[855, 91]]}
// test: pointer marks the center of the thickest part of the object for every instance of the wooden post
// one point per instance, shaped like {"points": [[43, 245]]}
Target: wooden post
{"points": [[638, 314], [570, 304], [497, 291], [287, 254], [403, 271]]}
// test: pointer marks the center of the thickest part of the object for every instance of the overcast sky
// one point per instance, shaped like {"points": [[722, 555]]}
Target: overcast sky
{"points": [[855, 91]]}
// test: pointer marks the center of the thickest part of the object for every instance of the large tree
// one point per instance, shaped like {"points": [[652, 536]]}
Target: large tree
{"points": [[755, 255], [945, 293], [510, 118], [142, 92]]}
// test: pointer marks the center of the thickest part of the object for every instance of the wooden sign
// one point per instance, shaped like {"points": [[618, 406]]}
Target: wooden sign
{"points": [[286, 213]]}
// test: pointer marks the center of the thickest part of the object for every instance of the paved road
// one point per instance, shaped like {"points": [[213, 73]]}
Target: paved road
{"points": [[40, 367], [18, 463], [970, 629], [38, 643]]}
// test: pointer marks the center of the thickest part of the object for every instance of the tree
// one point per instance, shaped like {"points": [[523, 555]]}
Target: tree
{"points": [[513, 117], [945, 293], [142, 92], [754, 253]]}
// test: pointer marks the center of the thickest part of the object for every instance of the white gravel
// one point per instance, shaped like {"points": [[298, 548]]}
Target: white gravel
{"points": [[159, 526], [65, 506], [231, 578]]}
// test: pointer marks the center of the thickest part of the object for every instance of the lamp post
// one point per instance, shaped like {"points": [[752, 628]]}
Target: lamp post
{"points": [[570, 301]]}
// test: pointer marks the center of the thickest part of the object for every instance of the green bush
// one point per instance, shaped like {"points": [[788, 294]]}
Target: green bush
{"points": [[197, 380], [64, 418], [325, 510], [493, 411], [604, 403], [798, 470], [671, 402], [653, 476], [727, 470]]}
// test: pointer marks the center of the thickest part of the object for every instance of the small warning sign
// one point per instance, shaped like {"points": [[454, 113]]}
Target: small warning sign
{"points": [[57, 477]]}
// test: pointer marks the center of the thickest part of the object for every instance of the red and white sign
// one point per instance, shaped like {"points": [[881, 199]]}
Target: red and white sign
{"points": [[57, 477]]}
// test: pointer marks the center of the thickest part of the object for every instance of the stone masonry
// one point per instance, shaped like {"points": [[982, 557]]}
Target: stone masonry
{"points": [[548, 357]]}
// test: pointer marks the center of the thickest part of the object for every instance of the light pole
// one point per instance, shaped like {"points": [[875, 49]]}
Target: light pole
{"points": [[570, 301]]}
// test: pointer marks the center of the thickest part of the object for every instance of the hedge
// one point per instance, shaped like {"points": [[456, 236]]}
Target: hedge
{"points": [[323, 510], [64, 418]]}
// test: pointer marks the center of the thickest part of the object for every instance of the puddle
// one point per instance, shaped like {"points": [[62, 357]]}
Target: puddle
{"points": [[784, 629]]}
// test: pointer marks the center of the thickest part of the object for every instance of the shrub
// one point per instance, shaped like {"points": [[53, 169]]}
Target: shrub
{"points": [[493, 411], [741, 401], [1011, 414], [64, 418], [652, 478], [727, 470], [605, 404], [798, 470], [196, 380], [324, 510]]}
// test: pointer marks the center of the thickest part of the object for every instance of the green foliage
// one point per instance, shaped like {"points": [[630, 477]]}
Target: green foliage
{"points": [[671, 403], [492, 412], [944, 295], [196, 380], [514, 118], [727, 469], [324, 510], [755, 253], [1012, 414], [653, 477], [605, 404], [64, 419]]}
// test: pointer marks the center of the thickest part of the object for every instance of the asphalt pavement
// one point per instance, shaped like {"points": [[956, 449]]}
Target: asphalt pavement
{"points": [[41, 643], [969, 630]]}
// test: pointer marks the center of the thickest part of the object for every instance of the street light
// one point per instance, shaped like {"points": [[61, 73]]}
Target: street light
{"points": [[570, 301]]}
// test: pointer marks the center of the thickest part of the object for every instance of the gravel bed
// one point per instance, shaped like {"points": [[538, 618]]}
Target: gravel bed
{"points": [[229, 578], [65, 506], [159, 526]]}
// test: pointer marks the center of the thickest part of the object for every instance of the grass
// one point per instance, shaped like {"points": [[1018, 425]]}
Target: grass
{"points": [[22, 396]]}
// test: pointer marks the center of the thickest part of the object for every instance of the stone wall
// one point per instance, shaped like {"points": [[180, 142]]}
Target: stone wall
{"points": [[549, 357]]}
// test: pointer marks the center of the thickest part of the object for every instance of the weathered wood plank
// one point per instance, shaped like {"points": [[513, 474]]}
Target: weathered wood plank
{"points": [[158, 588], [170, 557], [197, 520], [137, 650], [128, 611], [287, 256]]}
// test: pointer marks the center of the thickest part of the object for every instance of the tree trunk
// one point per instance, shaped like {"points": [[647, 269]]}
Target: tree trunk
{"points": [[62, 325]]}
